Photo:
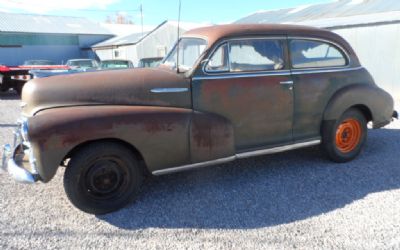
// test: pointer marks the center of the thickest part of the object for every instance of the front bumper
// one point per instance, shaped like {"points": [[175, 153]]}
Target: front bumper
{"points": [[18, 160]]}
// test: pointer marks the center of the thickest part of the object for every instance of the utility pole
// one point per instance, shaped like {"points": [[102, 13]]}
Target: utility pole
{"points": [[141, 16]]}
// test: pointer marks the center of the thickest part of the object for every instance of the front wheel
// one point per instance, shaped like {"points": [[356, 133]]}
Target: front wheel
{"points": [[344, 139], [102, 177]]}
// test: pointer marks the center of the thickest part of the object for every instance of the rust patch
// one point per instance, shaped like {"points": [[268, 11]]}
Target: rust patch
{"points": [[211, 137]]}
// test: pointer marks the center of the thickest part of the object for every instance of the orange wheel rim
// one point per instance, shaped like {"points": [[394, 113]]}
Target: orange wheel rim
{"points": [[348, 135]]}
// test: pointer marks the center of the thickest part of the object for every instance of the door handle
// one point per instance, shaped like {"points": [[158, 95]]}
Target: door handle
{"points": [[286, 83]]}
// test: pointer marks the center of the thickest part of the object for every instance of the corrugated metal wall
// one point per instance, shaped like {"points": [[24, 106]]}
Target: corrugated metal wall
{"points": [[156, 44], [378, 47], [15, 48], [58, 54]]}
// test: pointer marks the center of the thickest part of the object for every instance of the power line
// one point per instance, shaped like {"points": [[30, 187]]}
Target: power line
{"points": [[93, 10], [82, 10]]}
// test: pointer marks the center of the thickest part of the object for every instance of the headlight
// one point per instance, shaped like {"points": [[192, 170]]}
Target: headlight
{"points": [[24, 130]]}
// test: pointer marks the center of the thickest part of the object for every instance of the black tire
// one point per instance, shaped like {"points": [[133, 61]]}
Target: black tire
{"points": [[336, 142], [18, 88], [102, 178]]}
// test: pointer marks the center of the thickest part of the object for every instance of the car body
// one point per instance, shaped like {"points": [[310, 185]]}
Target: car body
{"points": [[115, 64], [150, 62], [235, 91], [82, 64]]}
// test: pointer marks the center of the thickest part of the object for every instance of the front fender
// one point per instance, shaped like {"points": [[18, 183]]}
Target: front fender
{"points": [[379, 102], [160, 134], [165, 137]]}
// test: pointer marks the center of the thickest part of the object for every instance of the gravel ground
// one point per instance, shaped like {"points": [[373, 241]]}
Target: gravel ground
{"points": [[296, 199]]}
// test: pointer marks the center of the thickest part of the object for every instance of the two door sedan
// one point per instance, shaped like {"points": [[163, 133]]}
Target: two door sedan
{"points": [[273, 89]]}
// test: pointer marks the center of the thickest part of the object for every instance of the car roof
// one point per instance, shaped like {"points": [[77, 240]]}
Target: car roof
{"points": [[218, 32]]}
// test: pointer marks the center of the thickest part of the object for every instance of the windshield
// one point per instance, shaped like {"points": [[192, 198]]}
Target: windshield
{"points": [[190, 50], [82, 63], [114, 64]]}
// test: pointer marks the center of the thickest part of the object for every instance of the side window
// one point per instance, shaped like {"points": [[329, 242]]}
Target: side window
{"points": [[247, 55], [315, 54], [256, 55], [219, 60]]}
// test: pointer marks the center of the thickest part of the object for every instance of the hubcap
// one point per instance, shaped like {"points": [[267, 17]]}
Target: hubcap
{"points": [[348, 135], [105, 179]]}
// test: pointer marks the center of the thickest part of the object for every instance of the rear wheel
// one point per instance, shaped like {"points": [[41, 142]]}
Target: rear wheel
{"points": [[344, 139], [102, 177]]}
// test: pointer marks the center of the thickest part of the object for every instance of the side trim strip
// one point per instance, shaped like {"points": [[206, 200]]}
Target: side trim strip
{"points": [[278, 149], [192, 166], [321, 70], [242, 75], [168, 90], [237, 156], [278, 73]]}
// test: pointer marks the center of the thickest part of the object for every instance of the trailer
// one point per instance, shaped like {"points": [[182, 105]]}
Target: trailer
{"points": [[14, 77]]}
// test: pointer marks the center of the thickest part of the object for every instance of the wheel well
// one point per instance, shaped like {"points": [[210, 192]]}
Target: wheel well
{"points": [[134, 151], [365, 111]]}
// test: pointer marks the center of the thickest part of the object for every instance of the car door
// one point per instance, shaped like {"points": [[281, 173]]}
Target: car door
{"points": [[248, 82], [319, 69]]}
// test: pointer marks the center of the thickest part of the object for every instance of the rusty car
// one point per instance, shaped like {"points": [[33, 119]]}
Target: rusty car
{"points": [[222, 93]]}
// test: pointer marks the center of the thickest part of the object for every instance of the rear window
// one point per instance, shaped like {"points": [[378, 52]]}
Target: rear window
{"points": [[315, 54]]}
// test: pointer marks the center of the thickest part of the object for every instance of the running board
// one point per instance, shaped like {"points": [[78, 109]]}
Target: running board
{"points": [[237, 156]]}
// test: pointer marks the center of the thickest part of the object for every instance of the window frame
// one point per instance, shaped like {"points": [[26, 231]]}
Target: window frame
{"points": [[340, 49], [285, 56]]}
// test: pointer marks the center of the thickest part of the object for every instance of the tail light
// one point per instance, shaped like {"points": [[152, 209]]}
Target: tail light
{"points": [[4, 68]]}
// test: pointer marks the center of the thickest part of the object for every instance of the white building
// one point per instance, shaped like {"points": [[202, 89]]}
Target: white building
{"points": [[151, 43], [372, 27]]}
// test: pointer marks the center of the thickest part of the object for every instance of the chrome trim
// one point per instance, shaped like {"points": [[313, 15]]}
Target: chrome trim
{"points": [[20, 174], [324, 70], [237, 156], [24, 130], [7, 153], [242, 75], [286, 83], [193, 166], [278, 149], [169, 90], [17, 172]]}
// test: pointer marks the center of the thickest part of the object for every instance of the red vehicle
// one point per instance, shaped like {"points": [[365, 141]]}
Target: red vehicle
{"points": [[16, 76]]}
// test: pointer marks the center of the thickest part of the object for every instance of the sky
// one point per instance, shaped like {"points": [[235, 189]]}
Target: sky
{"points": [[154, 11]]}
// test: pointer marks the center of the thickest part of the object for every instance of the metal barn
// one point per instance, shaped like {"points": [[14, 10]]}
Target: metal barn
{"points": [[25, 36], [372, 27], [151, 43]]}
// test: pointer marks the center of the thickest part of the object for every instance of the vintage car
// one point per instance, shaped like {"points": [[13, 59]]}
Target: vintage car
{"points": [[222, 93]]}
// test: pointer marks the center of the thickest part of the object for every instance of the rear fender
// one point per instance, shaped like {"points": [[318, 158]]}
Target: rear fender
{"points": [[379, 103]]}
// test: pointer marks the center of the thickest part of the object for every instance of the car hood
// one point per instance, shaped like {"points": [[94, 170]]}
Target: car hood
{"points": [[121, 87]]}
